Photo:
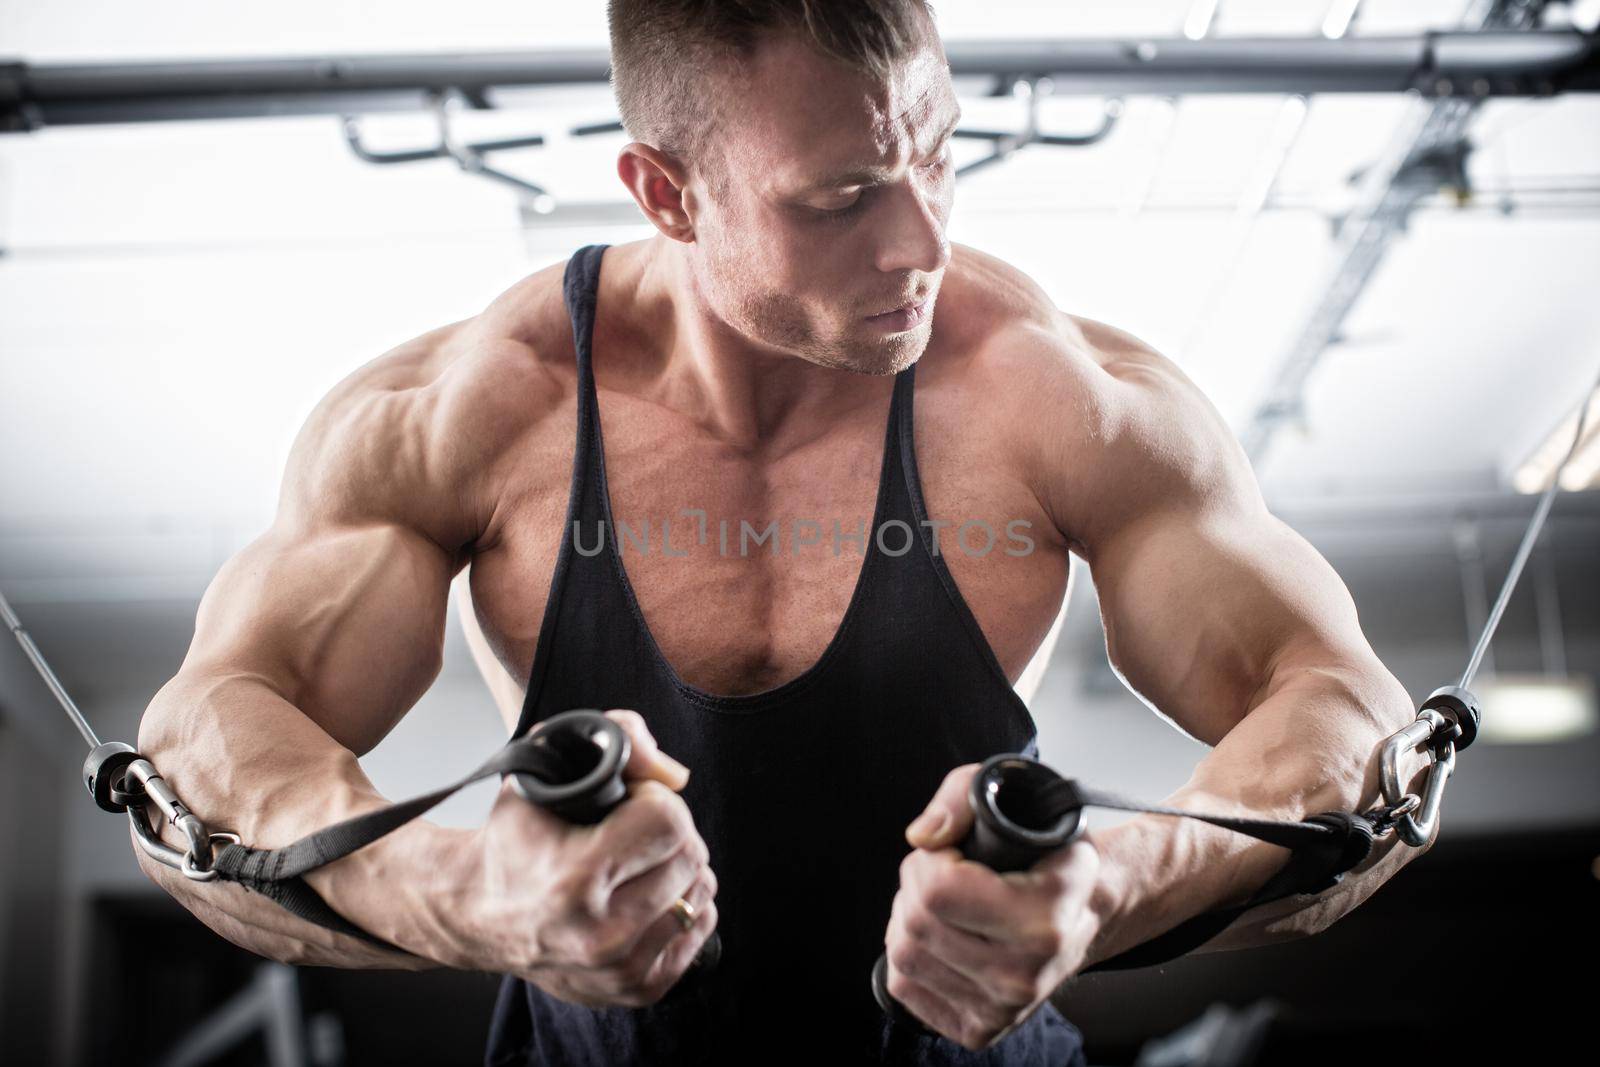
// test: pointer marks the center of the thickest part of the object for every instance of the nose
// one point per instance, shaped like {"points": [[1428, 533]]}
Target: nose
{"points": [[914, 238]]}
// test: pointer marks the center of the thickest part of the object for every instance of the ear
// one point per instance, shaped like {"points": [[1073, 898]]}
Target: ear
{"points": [[658, 183]]}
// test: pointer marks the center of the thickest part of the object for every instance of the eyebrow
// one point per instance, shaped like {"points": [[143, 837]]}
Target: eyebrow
{"points": [[873, 175]]}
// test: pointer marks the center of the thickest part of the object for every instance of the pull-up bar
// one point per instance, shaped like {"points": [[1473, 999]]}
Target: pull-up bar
{"points": [[1439, 64]]}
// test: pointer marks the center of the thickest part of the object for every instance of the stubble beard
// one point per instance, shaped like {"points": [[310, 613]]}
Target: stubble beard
{"points": [[778, 320]]}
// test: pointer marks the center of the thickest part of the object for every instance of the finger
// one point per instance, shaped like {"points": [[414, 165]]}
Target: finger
{"points": [[679, 946], [970, 1017], [955, 989], [948, 816], [994, 966], [646, 760], [920, 947], [645, 896], [965, 895], [928, 1005], [661, 952], [972, 898], [646, 830]]}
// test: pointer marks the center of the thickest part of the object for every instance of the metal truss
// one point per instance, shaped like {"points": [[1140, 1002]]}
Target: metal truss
{"points": [[1427, 152]]}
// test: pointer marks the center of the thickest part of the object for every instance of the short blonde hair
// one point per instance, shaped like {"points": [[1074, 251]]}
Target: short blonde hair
{"points": [[661, 51]]}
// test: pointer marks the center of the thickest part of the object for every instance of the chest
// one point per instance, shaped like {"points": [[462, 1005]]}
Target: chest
{"points": [[744, 563]]}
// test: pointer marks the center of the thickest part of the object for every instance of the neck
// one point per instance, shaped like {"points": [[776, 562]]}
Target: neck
{"points": [[750, 394]]}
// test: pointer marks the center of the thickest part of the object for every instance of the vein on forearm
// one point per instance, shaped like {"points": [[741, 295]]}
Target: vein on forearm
{"points": [[1310, 745]]}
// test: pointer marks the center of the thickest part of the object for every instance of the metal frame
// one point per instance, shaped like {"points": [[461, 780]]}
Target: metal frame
{"points": [[1474, 64], [268, 1005], [469, 156], [1428, 151], [1005, 144], [1495, 52]]}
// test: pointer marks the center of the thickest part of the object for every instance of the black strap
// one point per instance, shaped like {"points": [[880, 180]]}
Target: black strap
{"points": [[1322, 848], [276, 873]]}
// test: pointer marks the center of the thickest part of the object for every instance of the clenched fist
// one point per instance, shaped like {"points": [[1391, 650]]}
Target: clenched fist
{"points": [[586, 912], [973, 953]]}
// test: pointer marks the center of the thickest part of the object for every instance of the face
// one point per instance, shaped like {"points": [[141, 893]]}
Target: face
{"points": [[837, 192]]}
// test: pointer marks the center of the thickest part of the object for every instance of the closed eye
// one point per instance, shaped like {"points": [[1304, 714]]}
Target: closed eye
{"points": [[933, 166], [844, 212]]}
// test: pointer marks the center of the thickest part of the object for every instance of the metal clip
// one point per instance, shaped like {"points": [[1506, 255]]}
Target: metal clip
{"points": [[187, 863], [195, 861], [1415, 817]]}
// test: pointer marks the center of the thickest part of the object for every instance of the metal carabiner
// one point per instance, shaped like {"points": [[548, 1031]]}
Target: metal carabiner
{"points": [[1415, 817], [1417, 830], [194, 864], [195, 873], [141, 781], [150, 842]]}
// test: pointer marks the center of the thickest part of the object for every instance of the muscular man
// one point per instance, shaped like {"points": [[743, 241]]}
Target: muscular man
{"points": [[845, 468]]}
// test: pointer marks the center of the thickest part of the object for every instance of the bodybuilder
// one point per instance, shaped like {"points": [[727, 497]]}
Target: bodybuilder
{"points": [[796, 488]]}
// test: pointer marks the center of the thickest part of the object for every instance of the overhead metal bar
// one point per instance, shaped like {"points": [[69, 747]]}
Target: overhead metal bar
{"points": [[1443, 63], [469, 156], [1005, 144]]}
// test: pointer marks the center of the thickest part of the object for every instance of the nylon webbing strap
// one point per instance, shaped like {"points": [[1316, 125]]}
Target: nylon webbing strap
{"points": [[1288, 834], [276, 873], [1322, 848]]}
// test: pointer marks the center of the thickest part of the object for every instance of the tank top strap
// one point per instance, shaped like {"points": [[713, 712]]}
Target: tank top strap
{"points": [[585, 507], [911, 506], [580, 287]]}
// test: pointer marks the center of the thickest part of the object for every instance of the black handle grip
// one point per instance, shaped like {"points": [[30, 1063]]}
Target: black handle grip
{"points": [[1016, 822], [582, 756]]}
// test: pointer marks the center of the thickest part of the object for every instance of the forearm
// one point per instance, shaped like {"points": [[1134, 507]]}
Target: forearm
{"points": [[1310, 746], [246, 760]]}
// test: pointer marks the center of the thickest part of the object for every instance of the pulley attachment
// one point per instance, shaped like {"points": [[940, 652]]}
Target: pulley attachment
{"points": [[1017, 819], [571, 764], [103, 774], [119, 779], [1460, 706], [580, 755], [1446, 723], [1023, 810]]}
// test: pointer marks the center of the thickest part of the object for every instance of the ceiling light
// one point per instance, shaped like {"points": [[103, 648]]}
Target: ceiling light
{"points": [[1583, 470], [1536, 708]]}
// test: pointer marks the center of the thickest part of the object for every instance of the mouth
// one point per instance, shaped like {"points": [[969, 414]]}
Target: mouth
{"points": [[914, 307], [904, 305], [902, 319]]}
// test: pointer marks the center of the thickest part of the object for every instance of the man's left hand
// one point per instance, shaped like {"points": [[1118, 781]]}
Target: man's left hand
{"points": [[973, 953]]}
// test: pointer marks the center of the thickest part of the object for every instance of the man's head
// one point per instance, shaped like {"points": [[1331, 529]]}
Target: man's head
{"points": [[798, 149]]}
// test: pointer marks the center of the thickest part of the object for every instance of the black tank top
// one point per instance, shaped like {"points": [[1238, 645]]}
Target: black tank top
{"points": [[802, 793]]}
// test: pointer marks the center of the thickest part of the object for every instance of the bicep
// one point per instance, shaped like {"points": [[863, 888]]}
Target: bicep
{"points": [[339, 608], [1206, 597], [1203, 605], [346, 623]]}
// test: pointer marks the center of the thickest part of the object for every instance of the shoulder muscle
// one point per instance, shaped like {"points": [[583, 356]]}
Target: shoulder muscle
{"points": [[410, 438], [1113, 430]]}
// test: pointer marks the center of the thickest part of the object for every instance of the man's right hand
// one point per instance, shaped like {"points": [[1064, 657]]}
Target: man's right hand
{"points": [[317, 638], [586, 912]]}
